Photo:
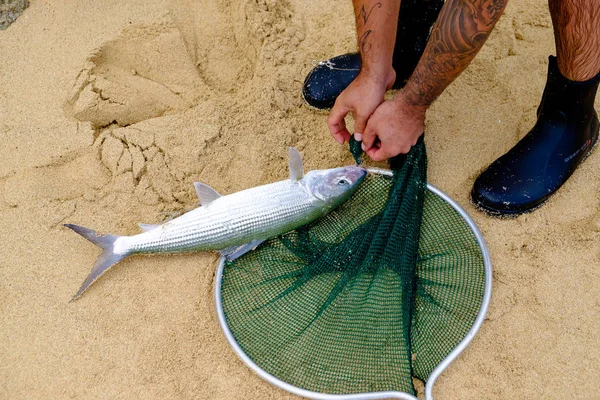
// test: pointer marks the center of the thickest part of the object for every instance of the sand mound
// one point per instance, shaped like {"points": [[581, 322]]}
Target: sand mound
{"points": [[227, 39]]}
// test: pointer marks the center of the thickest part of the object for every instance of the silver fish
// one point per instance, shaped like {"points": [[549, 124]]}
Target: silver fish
{"points": [[236, 223]]}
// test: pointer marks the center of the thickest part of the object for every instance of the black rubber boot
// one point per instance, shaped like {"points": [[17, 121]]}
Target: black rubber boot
{"points": [[539, 164], [329, 78]]}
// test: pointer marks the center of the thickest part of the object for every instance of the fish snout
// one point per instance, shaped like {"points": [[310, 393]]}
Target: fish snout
{"points": [[355, 174]]}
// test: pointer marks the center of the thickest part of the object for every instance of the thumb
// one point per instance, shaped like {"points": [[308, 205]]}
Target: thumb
{"points": [[369, 136], [360, 124]]}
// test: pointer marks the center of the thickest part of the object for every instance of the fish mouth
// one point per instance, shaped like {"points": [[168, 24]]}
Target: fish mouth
{"points": [[355, 174]]}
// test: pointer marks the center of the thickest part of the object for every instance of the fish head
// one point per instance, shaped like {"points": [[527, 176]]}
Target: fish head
{"points": [[334, 186]]}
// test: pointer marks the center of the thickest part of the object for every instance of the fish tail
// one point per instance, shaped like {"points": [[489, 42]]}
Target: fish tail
{"points": [[105, 260]]}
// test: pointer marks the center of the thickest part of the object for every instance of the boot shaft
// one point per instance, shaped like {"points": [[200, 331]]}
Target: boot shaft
{"points": [[565, 95]]}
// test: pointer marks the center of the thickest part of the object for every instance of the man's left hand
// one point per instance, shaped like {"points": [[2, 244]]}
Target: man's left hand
{"points": [[393, 128]]}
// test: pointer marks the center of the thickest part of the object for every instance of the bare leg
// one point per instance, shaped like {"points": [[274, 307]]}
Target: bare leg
{"points": [[577, 36]]}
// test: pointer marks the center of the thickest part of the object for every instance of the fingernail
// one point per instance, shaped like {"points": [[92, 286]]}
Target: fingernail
{"points": [[362, 146], [357, 136], [339, 140]]}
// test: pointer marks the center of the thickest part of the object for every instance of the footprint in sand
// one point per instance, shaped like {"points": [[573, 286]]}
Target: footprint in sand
{"points": [[144, 73], [166, 68]]}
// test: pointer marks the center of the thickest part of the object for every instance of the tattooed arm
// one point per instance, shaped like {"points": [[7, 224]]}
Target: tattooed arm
{"points": [[376, 22], [459, 33]]}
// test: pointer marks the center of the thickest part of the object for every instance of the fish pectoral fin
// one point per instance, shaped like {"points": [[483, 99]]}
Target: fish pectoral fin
{"points": [[295, 164], [205, 193], [148, 227], [234, 252]]}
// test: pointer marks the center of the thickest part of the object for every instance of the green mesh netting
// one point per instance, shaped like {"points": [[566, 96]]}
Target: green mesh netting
{"points": [[373, 294]]}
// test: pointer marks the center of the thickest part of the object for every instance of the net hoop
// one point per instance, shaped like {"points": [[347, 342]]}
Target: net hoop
{"points": [[373, 395]]}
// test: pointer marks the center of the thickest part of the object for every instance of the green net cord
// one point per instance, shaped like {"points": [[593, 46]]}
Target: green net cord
{"points": [[355, 149]]}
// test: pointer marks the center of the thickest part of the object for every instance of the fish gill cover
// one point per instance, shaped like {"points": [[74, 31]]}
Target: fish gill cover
{"points": [[377, 292]]}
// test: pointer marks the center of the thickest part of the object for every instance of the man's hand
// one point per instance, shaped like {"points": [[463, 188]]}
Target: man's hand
{"points": [[393, 129], [360, 98], [460, 31]]}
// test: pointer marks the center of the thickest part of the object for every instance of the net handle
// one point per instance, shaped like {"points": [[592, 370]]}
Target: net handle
{"points": [[487, 292], [374, 395]]}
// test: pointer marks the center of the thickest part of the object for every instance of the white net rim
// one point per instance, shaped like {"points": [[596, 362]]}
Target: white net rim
{"points": [[374, 395]]}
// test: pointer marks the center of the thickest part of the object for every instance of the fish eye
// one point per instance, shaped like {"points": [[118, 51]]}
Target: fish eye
{"points": [[343, 182]]}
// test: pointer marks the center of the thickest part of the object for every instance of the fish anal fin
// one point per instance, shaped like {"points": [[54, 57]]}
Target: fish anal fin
{"points": [[205, 193], [234, 252]]}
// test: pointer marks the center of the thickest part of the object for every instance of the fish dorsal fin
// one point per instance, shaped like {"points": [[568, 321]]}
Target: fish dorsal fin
{"points": [[205, 193], [295, 162], [148, 227]]}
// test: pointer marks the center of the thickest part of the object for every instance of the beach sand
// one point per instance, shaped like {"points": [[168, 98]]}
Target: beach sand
{"points": [[111, 110]]}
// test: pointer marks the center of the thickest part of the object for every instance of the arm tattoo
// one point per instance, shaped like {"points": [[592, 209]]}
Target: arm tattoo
{"points": [[461, 30], [363, 16], [363, 13]]}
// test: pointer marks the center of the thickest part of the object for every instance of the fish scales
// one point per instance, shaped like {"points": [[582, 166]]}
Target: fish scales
{"points": [[231, 220]]}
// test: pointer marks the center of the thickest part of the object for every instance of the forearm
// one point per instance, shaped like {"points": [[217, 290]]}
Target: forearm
{"points": [[376, 24], [462, 28]]}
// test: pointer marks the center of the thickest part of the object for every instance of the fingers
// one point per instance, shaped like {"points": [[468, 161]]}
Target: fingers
{"points": [[384, 152], [368, 137], [337, 124], [378, 153], [342, 136], [360, 124], [379, 149]]}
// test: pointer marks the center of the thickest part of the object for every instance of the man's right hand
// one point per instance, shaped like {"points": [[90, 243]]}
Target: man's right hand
{"points": [[361, 98]]}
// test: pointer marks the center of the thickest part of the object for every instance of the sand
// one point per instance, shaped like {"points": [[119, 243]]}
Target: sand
{"points": [[111, 110]]}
